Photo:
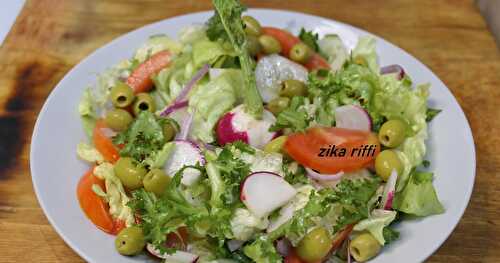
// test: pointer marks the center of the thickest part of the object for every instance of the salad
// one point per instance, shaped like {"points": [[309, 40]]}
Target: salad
{"points": [[240, 142]]}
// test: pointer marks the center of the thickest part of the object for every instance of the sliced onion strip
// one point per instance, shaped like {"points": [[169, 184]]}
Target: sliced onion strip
{"points": [[323, 177]]}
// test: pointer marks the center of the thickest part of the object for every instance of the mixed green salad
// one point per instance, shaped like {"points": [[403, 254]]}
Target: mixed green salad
{"points": [[240, 142]]}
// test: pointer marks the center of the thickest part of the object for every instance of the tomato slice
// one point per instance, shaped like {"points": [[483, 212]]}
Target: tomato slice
{"points": [[104, 144], [140, 79], [292, 257], [92, 205], [118, 225], [177, 240], [320, 148], [288, 40], [340, 236]]}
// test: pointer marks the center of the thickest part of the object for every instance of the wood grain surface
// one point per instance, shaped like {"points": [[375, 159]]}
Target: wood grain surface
{"points": [[50, 37]]}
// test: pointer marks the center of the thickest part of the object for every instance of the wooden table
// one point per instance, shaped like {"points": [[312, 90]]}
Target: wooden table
{"points": [[50, 37]]}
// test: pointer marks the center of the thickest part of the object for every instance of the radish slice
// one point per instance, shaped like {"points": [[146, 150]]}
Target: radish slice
{"points": [[187, 88], [388, 193], [226, 133], [263, 192], [323, 177], [393, 69], [239, 125], [234, 244], [185, 153], [177, 257], [353, 117]]}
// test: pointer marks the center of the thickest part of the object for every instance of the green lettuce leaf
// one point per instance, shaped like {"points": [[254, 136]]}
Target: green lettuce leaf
{"points": [[375, 223], [418, 197], [155, 44], [87, 111], [366, 50], [206, 51], [210, 101], [262, 250]]}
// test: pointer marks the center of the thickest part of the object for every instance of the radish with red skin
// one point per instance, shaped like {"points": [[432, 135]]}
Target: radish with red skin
{"points": [[237, 125], [178, 256], [263, 192], [353, 117], [226, 133]]}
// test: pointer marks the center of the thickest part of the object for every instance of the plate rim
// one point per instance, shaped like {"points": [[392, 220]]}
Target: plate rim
{"points": [[467, 129]]}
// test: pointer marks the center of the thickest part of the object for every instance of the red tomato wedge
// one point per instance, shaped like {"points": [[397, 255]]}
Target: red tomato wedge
{"points": [[177, 240], [319, 148], [92, 205], [140, 79], [103, 143], [340, 236], [292, 258], [288, 40], [118, 225]]}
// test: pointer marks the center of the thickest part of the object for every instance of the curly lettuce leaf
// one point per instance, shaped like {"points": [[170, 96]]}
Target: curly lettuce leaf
{"points": [[143, 138], [228, 17]]}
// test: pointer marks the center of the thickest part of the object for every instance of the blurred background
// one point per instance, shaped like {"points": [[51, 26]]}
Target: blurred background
{"points": [[41, 40]]}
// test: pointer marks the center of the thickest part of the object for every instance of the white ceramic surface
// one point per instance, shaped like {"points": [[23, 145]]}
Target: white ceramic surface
{"points": [[56, 169]]}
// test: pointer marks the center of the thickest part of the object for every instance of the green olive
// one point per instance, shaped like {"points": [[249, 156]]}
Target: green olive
{"points": [[129, 173], [276, 145], [169, 131], [364, 247], [315, 245], [278, 104], [252, 26], [144, 102], [385, 162], [360, 61], [253, 45], [156, 181], [300, 53], [130, 241], [118, 119], [269, 44], [121, 95], [392, 133], [291, 88]]}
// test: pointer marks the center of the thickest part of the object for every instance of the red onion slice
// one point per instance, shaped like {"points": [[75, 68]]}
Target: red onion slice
{"points": [[181, 98], [393, 69], [185, 127], [323, 177], [388, 193], [283, 246], [174, 107]]}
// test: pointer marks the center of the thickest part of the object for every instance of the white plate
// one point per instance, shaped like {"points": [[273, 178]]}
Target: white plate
{"points": [[56, 170]]}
